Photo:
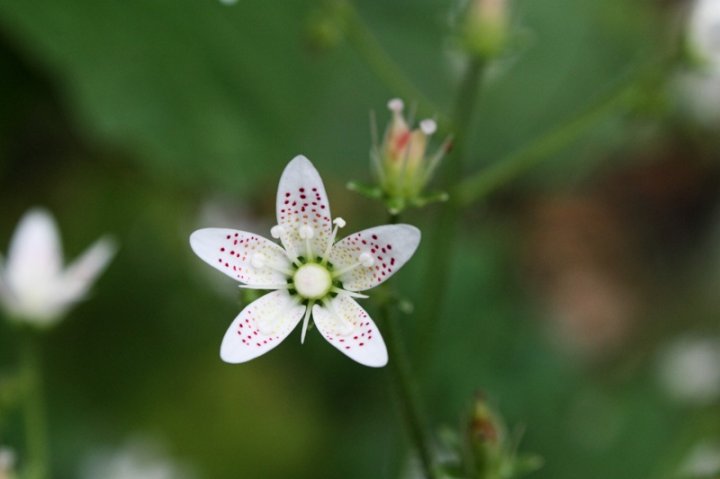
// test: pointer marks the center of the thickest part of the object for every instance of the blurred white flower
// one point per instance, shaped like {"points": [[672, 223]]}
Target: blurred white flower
{"points": [[699, 93], [699, 89], [702, 462], [139, 459], [34, 286], [7, 463], [689, 370], [228, 2], [704, 32]]}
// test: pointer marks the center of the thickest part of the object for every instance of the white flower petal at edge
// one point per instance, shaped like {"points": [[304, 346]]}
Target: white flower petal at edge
{"points": [[311, 274], [34, 288], [7, 463], [704, 32]]}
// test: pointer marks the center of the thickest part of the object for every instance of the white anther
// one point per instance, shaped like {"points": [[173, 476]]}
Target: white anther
{"points": [[277, 231], [339, 222], [366, 259], [306, 232], [428, 126], [258, 261], [396, 105]]}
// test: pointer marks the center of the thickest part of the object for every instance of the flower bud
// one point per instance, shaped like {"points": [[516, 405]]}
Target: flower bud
{"points": [[401, 161], [486, 432], [485, 30]]}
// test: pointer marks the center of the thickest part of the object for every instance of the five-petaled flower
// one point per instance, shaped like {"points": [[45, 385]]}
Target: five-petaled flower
{"points": [[310, 274], [34, 287]]}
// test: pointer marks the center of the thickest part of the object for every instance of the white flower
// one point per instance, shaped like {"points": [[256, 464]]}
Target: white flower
{"points": [[310, 273], [7, 463], [704, 32], [703, 461], [139, 459], [34, 287], [690, 370]]}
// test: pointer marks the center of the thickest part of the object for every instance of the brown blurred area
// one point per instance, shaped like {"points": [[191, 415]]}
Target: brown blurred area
{"points": [[601, 258]]}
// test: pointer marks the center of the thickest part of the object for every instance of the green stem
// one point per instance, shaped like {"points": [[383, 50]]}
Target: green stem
{"points": [[406, 392], [34, 408], [381, 64], [405, 388], [444, 233], [502, 172]]}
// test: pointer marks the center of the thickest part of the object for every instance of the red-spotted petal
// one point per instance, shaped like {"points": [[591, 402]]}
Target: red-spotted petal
{"points": [[346, 325], [302, 202], [385, 249], [248, 258], [261, 326]]}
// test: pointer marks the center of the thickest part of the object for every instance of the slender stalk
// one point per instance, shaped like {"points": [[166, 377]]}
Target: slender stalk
{"points": [[382, 65], [489, 179], [443, 236], [405, 388], [406, 392], [34, 408]]}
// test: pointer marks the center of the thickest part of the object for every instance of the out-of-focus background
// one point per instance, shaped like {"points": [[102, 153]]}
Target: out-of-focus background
{"points": [[583, 298]]}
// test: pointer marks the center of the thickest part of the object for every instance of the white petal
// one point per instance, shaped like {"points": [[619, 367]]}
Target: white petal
{"points": [[261, 326], [80, 275], [34, 257], [246, 257], [348, 327], [390, 246], [704, 31], [302, 201]]}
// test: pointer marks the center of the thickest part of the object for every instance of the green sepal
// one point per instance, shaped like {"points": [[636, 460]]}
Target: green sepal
{"points": [[369, 191]]}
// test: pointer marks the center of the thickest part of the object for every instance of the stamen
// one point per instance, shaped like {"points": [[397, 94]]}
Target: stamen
{"points": [[264, 286], [306, 232], [339, 223], [277, 231], [306, 320], [365, 259], [349, 327], [352, 294], [428, 126], [259, 261], [396, 105]]}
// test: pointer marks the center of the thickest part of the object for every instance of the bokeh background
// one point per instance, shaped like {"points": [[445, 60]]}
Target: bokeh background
{"points": [[574, 290]]}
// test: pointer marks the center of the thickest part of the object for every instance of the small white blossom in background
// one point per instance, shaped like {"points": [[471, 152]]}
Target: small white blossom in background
{"points": [[689, 370], [228, 2], [139, 459], [704, 33], [703, 462], [7, 463], [699, 90], [34, 286], [310, 274]]}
